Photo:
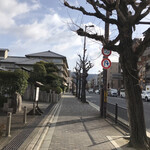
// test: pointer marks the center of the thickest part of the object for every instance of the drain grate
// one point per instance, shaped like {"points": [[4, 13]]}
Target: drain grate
{"points": [[23, 135]]}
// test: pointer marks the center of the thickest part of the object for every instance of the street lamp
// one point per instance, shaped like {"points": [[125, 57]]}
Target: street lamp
{"points": [[85, 36], [83, 93]]}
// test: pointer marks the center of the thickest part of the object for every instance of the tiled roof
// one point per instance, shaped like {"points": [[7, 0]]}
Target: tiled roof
{"points": [[3, 49], [32, 58], [14, 59], [46, 54], [21, 60]]}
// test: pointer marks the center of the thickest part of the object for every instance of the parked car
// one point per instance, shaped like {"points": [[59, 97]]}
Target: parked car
{"points": [[97, 91], [113, 92], [90, 90], [145, 95], [122, 93]]}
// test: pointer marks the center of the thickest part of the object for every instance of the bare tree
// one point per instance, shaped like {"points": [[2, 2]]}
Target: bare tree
{"points": [[78, 79], [128, 14], [86, 66]]}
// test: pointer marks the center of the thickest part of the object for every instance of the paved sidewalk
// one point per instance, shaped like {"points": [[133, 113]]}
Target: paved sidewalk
{"points": [[77, 126], [17, 126]]}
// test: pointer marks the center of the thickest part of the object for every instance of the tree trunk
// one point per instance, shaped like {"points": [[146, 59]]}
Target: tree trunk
{"points": [[79, 95], [137, 127], [83, 92], [77, 86]]}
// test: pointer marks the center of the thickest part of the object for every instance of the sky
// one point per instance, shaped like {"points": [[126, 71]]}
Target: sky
{"points": [[31, 26]]}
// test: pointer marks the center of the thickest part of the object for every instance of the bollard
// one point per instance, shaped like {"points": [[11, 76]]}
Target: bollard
{"points": [[47, 97], [116, 113], [25, 115], [8, 127], [57, 97], [54, 97], [50, 96], [34, 108]]}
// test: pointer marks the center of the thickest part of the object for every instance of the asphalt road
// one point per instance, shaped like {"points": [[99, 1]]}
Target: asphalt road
{"points": [[95, 98]]}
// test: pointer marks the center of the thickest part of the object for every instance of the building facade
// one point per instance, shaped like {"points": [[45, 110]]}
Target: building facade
{"points": [[144, 68], [114, 76], [13, 62]]}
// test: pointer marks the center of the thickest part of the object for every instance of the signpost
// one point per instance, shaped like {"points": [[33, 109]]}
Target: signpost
{"points": [[36, 110], [106, 52], [106, 63]]}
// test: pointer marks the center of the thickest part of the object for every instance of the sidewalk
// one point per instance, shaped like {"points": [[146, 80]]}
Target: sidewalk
{"points": [[76, 126], [17, 126]]}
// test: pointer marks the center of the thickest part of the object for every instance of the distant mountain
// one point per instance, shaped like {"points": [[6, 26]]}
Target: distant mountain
{"points": [[91, 76]]}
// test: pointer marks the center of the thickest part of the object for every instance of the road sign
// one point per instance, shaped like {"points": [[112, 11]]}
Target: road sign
{"points": [[106, 63], [106, 52]]}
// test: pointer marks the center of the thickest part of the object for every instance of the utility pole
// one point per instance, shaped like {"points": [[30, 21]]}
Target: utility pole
{"points": [[103, 107], [84, 71]]}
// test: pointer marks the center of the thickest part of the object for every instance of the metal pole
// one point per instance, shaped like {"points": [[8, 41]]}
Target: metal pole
{"points": [[102, 101], [84, 41], [83, 68], [9, 116], [33, 108], [116, 113], [25, 115], [105, 70]]}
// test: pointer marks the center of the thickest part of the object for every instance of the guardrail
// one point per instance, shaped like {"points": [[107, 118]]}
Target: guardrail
{"points": [[119, 114]]}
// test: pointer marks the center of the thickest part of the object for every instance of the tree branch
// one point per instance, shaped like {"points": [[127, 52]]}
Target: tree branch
{"points": [[138, 13], [97, 14], [120, 12], [140, 17], [109, 45], [101, 38]]}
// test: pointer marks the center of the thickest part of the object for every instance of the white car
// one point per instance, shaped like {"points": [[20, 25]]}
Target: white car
{"points": [[97, 91], [122, 93], [90, 90], [145, 95], [113, 92]]}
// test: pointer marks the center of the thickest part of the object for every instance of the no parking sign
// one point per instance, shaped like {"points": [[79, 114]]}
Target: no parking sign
{"points": [[106, 52], [106, 63]]}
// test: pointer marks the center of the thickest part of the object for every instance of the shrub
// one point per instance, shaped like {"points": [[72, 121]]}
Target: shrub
{"points": [[2, 100], [10, 82], [58, 90]]}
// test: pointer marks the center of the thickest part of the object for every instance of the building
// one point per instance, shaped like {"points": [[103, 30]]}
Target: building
{"points": [[144, 68], [114, 77], [15, 62], [92, 81]]}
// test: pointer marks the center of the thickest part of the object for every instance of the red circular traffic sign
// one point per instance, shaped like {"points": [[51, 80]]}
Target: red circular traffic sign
{"points": [[106, 52], [106, 63]]}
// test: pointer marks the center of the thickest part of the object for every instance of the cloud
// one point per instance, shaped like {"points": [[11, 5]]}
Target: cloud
{"points": [[50, 32], [10, 9]]}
